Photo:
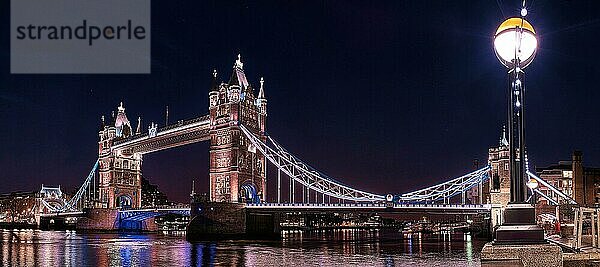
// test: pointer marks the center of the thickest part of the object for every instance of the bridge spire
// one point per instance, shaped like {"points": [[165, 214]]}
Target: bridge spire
{"points": [[238, 77], [261, 92], [138, 129], [238, 62], [122, 124], [214, 85], [193, 185], [102, 123], [503, 141]]}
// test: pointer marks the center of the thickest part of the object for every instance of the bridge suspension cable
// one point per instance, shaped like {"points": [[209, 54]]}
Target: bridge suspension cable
{"points": [[306, 175], [446, 190], [312, 179], [73, 203]]}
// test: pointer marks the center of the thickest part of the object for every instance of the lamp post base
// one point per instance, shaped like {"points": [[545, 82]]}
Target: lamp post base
{"points": [[519, 226], [519, 241]]}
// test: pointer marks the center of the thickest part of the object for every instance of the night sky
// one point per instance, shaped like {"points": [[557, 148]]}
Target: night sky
{"points": [[386, 96]]}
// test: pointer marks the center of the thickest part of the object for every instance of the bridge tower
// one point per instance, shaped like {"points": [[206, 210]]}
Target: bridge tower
{"points": [[237, 171], [120, 172], [499, 182]]}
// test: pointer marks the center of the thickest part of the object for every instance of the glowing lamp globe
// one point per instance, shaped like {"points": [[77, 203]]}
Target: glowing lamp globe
{"points": [[532, 184], [515, 41]]}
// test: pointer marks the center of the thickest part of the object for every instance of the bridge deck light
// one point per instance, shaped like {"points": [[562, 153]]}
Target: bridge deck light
{"points": [[532, 184]]}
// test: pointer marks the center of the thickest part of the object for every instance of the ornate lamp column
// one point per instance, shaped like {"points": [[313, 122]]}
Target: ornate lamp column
{"points": [[515, 45]]}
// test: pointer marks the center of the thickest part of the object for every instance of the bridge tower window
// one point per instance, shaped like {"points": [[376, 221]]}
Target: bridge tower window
{"points": [[495, 181]]}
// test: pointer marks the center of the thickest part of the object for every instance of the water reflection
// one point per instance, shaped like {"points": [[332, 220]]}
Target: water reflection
{"points": [[328, 247]]}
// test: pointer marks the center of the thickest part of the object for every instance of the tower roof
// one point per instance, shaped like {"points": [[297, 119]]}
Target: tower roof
{"points": [[121, 117], [51, 192], [238, 77]]}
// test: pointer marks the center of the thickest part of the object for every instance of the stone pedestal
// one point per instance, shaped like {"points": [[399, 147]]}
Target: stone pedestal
{"points": [[519, 241], [542, 255], [519, 226]]}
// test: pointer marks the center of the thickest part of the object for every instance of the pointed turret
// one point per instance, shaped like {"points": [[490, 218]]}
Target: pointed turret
{"points": [[238, 77], [214, 85], [122, 124], [102, 123], [503, 141], [261, 101], [261, 92], [213, 94], [138, 129]]}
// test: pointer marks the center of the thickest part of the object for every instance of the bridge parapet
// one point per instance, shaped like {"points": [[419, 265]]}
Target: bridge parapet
{"points": [[174, 135], [382, 206]]}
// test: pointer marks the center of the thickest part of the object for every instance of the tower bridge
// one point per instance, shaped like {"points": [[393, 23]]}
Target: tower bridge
{"points": [[240, 152]]}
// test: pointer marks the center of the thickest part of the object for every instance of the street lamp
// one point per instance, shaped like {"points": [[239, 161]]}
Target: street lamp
{"points": [[515, 44], [515, 41]]}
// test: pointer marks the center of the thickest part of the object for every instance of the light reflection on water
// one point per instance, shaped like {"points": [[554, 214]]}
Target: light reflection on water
{"points": [[315, 248]]}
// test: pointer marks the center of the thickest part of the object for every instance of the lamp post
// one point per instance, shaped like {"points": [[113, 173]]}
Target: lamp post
{"points": [[515, 44]]}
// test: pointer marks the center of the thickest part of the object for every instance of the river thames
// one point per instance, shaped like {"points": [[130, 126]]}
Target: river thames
{"points": [[318, 248]]}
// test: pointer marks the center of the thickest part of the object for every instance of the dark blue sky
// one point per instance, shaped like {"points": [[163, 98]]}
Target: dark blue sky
{"points": [[387, 96]]}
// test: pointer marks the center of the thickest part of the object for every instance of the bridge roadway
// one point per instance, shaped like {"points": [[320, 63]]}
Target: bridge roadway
{"points": [[312, 207], [64, 214], [373, 207], [276, 213]]}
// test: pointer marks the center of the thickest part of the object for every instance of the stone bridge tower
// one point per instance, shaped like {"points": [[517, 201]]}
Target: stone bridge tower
{"points": [[237, 170], [120, 173], [499, 182]]}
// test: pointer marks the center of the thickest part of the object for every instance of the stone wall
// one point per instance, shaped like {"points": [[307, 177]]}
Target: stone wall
{"points": [[98, 220], [216, 220]]}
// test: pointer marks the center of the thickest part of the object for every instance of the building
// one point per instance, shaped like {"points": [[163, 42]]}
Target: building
{"points": [[572, 178], [498, 186], [120, 173], [18, 207], [152, 196], [237, 171]]}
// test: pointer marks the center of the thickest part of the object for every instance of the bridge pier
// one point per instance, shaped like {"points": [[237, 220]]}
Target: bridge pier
{"points": [[55, 223], [99, 219], [147, 225], [223, 220]]}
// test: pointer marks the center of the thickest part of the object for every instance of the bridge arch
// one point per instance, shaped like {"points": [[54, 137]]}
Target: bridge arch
{"points": [[248, 193], [124, 201]]}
